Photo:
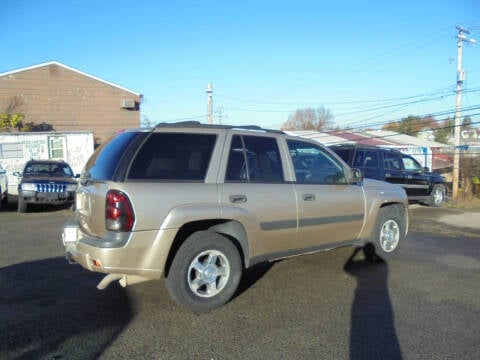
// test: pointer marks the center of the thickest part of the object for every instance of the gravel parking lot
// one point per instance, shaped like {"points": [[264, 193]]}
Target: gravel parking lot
{"points": [[332, 305]]}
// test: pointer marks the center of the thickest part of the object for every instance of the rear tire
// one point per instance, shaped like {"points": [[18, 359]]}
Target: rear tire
{"points": [[205, 272], [389, 232]]}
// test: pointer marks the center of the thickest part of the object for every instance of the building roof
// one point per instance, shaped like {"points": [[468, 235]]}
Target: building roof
{"points": [[403, 139], [321, 137], [11, 72], [361, 138], [374, 137]]}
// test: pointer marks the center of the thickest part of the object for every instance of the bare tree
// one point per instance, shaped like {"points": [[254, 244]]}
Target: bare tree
{"points": [[309, 119], [14, 104]]}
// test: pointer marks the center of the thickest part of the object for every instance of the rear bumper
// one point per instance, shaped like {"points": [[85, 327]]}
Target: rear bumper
{"points": [[144, 254]]}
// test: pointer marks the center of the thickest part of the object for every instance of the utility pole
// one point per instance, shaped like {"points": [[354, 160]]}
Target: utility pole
{"points": [[209, 92], [461, 38], [220, 115]]}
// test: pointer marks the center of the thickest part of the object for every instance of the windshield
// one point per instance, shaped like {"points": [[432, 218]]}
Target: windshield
{"points": [[48, 169]]}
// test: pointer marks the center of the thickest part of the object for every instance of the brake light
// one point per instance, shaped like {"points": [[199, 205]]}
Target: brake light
{"points": [[118, 212]]}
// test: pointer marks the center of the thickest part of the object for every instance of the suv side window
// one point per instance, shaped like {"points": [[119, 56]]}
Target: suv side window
{"points": [[254, 159], [345, 154], [359, 158], [411, 164], [365, 158], [371, 159], [392, 161], [314, 165], [173, 156]]}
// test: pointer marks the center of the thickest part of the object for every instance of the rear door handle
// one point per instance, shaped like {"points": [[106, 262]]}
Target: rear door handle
{"points": [[308, 197], [238, 199]]}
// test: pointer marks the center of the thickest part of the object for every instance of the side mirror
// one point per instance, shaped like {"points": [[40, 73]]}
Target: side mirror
{"points": [[77, 176], [426, 169], [355, 176], [17, 174]]}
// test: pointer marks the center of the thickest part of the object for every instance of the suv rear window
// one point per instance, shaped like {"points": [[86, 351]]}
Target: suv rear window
{"points": [[173, 156], [103, 163]]}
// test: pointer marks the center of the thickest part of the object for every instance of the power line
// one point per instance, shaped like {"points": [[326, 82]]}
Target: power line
{"points": [[435, 96], [405, 49], [296, 103], [441, 113]]}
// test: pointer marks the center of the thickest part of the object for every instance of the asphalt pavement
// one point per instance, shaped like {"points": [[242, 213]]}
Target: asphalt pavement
{"points": [[455, 217], [422, 304]]}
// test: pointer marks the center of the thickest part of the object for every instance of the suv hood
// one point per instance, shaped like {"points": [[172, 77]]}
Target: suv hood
{"points": [[435, 176], [378, 186]]}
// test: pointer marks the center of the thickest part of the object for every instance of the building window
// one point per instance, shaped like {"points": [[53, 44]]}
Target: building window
{"points": [[56, 147], [11, 150]]}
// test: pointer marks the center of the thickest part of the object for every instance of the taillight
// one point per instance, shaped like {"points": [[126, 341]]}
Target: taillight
{"points": [[118, 212]]}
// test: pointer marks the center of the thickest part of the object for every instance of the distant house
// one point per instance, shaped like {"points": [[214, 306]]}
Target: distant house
{"points": [[69, 100]]}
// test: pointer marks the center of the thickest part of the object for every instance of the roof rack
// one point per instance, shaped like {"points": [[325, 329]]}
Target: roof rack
{"points": [[215, 126]]}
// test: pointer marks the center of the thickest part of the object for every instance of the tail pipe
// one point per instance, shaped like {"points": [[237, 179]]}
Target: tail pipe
{"points": [[123, 279], [69, 258]]}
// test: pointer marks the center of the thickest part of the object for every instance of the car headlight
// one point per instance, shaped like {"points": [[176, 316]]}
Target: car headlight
{"points": [[72, 187], [29, 187]]}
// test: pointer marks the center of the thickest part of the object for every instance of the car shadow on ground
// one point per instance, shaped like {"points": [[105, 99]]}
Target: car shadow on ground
{"points": [[51, 310], [372, 328], [11, 206], [252, 275]]}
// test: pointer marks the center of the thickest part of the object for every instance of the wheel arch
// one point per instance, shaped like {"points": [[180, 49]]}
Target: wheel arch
{"points": [[231, 229], [373, 215], [402, 209]]}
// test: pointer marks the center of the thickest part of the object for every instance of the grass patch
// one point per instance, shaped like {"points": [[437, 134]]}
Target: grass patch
{"points": [[469, 203]]}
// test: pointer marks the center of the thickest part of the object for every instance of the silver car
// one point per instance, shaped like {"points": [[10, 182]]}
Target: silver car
{"points": [[3, 186]]}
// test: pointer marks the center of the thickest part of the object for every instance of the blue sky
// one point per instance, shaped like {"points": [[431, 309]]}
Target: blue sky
{"points": [[265, 59]]}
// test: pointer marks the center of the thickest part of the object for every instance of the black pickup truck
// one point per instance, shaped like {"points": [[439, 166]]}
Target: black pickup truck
{"points": [[395, 167]]}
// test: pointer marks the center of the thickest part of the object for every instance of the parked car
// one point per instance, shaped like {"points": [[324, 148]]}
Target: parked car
{"points": [[398, 168], [3, 186], [46, 182], [197, 204]]}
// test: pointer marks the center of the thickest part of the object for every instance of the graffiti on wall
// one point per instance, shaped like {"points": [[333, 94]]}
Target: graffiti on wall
{"points": [[36, 149]]}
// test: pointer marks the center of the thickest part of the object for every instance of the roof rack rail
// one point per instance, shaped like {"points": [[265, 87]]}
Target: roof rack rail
{"points": [[255, 128], [217, 126], [179, 123]]}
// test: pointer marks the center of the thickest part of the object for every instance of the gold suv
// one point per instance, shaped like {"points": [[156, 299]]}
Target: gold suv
{"points": [[197, 204]]}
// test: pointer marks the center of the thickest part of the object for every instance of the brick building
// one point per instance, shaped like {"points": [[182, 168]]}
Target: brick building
{"points": [[69, 100]]}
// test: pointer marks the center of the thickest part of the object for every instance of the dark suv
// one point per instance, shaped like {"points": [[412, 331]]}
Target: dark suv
{"points": [[46, 182], [395, 167]]}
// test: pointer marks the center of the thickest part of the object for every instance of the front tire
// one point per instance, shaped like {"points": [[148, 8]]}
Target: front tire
{"points": [[22, 205], [389, 231], [205, 272]]}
